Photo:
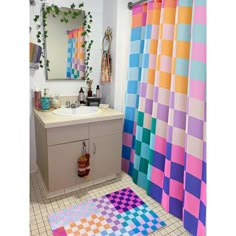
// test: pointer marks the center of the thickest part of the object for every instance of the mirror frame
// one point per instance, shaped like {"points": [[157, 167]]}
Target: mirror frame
{"points": [[41, 35], [62, 10]]}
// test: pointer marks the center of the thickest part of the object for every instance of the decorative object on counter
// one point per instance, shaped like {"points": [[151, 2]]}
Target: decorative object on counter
{"points": [[64, 16], [93, 101], [106, 67], [45, 100], [83, 162], [121, 212], [37, 99], [98, 94], [89, 83], [56, 103]]}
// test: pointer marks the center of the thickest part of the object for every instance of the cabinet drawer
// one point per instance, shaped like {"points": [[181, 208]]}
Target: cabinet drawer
{"points": [[104, 128], [67, 134]]}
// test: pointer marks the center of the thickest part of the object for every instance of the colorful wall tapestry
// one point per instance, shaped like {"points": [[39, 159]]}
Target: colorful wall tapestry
{"points": [[164, 137], [75, 54]]}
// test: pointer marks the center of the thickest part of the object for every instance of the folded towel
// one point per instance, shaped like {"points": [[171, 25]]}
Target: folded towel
{"points": [[106, 67]]}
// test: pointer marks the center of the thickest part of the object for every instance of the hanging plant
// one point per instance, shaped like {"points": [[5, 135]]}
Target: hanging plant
{"points": [[64, 17]]}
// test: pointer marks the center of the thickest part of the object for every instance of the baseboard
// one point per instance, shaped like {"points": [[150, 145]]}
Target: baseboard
{"points": [[74, 188]]}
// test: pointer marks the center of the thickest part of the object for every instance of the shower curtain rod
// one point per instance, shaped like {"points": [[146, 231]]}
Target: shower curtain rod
{"points": [[131, 5]]}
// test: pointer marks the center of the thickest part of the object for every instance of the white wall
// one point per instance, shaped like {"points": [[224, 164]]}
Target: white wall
{"points": [[112, 13], [117, 16]]}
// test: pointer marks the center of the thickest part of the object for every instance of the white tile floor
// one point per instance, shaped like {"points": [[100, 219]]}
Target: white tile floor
{"points": [[40, 206]]}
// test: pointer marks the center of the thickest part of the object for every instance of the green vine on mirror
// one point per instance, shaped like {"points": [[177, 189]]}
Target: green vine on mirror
{"points": [[42, 33]]}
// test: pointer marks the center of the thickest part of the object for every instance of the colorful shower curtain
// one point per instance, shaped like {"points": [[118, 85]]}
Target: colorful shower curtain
{"points": [[164, 137], [75, 54]]}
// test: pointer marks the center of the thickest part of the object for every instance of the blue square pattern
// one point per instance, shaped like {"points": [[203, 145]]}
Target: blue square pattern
{"points": [[185, 3], [144, 76], [200, 2], [134, 60], [177, 172], [131, 100], [155, 192], [136, 161], [190, 222], [198, 70], [158, 161], [202, 213], [131, 169], [146, 48], [145, 63], [148, 31], [126, 151], [142, 180], [145, 151], [193, 185], [136, 33], [168, 151], [133, 141], [135, 47], [182, 66], [166, 185], [134, 73], [132, 86], [129, 113], [152, 140], [199, 33], [128, 126], [139, 133], [149, 172], [176, 207], [184, 32], [204, 171]]}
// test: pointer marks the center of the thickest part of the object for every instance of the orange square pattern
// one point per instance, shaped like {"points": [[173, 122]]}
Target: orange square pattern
{"points": [[165, 79], [167, 48], [182, 49], [184, 15], [181, 84], [137, 20], [94, 220]]}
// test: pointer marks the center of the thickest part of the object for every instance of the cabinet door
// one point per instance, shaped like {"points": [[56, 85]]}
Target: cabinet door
{"points": [[106, 154], [63, 160]]}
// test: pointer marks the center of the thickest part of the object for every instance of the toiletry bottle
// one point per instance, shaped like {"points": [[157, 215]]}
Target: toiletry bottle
{"points": [[45, 101], [90, 92], [37, 98], [81, 95], [98, 92]]}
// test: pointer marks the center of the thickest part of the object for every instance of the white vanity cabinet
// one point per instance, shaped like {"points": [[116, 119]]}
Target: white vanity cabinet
{"points": [[59, 148]]}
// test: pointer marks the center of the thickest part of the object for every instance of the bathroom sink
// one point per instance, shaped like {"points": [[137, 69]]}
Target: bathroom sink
{"points": [[82, 110]]}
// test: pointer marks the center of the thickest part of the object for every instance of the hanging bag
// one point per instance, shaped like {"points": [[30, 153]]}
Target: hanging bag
{"points": [[84, 162]]}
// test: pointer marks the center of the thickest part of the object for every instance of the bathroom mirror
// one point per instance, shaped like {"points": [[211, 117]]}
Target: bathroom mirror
{"points": [[63, 46]]}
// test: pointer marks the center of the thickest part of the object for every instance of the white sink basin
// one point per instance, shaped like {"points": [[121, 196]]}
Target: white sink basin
{"points": [[82, 110]]}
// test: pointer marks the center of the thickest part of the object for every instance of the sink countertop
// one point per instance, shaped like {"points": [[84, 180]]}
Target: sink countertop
{"points": [[51, 120]]}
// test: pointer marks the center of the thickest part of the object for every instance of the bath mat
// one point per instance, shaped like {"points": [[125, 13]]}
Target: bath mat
{"points": [[118, 213]]}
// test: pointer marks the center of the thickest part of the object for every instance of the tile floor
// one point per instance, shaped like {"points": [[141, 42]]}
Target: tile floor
{"points": [[40, 206]]}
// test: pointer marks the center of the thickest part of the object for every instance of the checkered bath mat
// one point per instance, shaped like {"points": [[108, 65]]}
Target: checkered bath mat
{"points": [[118, 213]]}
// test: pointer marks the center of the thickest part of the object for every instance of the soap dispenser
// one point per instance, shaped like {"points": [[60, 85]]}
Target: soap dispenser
{"points": [[45, 100]]}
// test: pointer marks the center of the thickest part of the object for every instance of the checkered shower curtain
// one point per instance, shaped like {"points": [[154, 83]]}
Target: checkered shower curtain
{"points": [[75, 54], [164, 145]]}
